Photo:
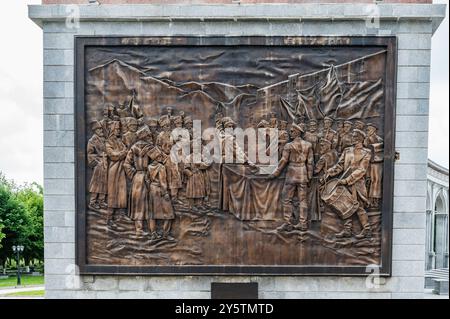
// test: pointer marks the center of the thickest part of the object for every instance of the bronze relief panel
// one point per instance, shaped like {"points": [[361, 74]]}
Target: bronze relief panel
{"points": [[234, 155]]}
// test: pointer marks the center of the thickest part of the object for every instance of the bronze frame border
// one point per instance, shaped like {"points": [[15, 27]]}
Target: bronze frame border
{"points": [[387, 42]]}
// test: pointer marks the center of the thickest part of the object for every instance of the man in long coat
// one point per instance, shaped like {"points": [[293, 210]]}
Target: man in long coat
{"points": [[97, 160], [354, 162], [117, 182]]}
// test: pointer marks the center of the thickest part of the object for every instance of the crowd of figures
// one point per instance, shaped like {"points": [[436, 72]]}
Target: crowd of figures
{"points": [[350, 151], [132, 169], [326, 162]]}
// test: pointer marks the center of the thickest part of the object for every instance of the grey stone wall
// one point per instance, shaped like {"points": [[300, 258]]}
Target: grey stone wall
{"points": [[413, 25]]}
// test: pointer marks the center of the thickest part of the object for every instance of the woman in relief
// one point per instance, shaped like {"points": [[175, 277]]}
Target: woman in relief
{"points": [[135, 167]]}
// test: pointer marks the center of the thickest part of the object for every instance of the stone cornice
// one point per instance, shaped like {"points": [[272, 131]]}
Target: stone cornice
{"points": [[243, 12]]}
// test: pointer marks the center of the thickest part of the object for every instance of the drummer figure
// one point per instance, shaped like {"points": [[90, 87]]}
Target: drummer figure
{"points": [[354, 162]]}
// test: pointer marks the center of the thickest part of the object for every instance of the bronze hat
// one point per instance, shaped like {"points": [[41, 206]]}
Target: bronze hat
{"points": [[324, 140], [227, 121], [188, 119], [156, 154], [360, 123], [152, 122], [361, 133], [131, 120], [164, 120], [177, 119], [143, 132], [263, 124], [297, 127]]}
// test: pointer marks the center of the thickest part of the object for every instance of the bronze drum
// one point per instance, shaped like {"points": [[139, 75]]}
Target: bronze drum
{"points": [[340, 199]]}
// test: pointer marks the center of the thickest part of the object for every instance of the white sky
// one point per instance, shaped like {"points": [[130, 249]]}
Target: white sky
{"points": [[21, 136]]}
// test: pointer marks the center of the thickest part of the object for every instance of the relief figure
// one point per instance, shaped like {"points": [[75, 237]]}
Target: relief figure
{"points": [[160, 204], [97, 160], [298, 158], [345, 139], [165, 142], [135, 166], [197, 181], [328, 132], [117, 183], [353, 163], [130, 136], [376, 144]]}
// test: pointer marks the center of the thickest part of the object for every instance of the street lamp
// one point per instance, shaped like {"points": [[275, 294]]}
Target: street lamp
{"points": [[18, 249]]}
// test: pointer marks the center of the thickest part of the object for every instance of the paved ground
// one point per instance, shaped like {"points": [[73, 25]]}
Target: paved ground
{"points": [[428, 294], [5, 291]]}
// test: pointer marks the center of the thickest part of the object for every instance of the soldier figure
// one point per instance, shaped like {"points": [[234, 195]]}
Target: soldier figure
{"points": [[376, 144], [299, 158], [327, 159], [354, 162], [312, 137], [345, 139], [328, 133], [360, 125], [97, 160]]}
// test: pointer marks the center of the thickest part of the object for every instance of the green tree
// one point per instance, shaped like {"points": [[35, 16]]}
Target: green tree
{"points": [[32, 198], [14, 219]]}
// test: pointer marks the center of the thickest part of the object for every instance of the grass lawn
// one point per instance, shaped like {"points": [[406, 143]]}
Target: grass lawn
{"points": [[27, 280], [34, 293]]}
